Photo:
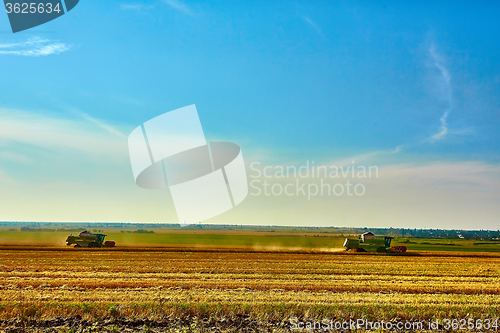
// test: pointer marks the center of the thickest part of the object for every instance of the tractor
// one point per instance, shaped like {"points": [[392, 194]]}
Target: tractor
{"points": [[87, 239], [368, 242]]}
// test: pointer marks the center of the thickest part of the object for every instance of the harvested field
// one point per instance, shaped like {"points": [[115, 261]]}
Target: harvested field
{"points": [[102, 290]]}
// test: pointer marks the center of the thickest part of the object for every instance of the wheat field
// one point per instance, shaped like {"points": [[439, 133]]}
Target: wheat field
{"points": [[102, 290]]}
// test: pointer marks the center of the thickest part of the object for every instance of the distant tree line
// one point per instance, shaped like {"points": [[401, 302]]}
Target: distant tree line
{"points": [[146, 228], [49, 229], [437, 233], [139, 231]]}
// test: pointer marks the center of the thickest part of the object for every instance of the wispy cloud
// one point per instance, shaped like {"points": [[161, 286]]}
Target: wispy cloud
{"points": [[54, 133], [409, 191], [97, 122], [445, 90], [34, 47], [101, 124], [180, 6], [53, 167], [136, 6], [5, 179], [14, 156], [312, 24]]}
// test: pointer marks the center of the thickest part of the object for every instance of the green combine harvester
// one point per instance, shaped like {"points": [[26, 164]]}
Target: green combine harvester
{"points": [[368, 242], [87, 239]]}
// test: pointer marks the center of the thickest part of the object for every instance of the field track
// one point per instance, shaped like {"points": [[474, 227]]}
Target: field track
{"points": [[61, 289]]}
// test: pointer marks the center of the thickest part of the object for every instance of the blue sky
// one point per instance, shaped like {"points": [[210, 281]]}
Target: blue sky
{"points": [[417, 82]]}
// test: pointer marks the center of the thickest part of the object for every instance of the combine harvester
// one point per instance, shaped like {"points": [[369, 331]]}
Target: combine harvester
{"points": [[87, 239], [367, 242]]}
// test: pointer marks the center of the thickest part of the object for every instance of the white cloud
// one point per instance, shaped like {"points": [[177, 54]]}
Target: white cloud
{"points": [[415, 193], [34, 47], [14, 156], [72, 164], [445, 91], [136, 6], [99, 123], [180, 6], [5, 179], [312, 24], [57, 167], [88, 135]]}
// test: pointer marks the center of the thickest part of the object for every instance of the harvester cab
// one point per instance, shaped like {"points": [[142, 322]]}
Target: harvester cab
{"points": [[88, 239]]}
